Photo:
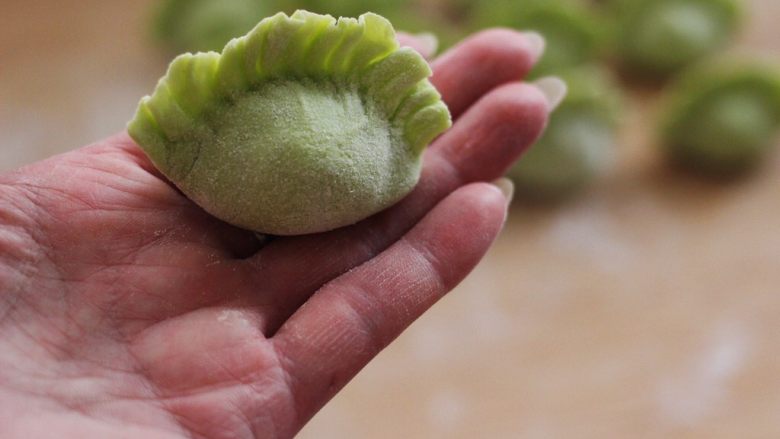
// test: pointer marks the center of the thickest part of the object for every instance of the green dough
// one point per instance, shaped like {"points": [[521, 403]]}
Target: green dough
{"points": [[304, 125], [722, 120], [660, 37], [579, 141]]}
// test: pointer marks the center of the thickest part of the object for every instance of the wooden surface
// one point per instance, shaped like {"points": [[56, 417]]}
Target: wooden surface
{"points": [[650, 307]]}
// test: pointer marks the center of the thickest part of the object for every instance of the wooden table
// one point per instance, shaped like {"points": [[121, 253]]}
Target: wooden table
{"points": [[650, 307]]}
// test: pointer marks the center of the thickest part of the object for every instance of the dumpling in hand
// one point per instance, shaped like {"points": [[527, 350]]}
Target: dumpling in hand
{"points": [[304, 125]]}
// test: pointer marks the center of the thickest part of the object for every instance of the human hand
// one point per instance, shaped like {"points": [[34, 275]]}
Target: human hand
{"points": [[127, 311]]}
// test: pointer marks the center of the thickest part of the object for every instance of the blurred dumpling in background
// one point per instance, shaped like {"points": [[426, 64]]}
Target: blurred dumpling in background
{"points": [[444, 18], [579, 143], [203, 25], [573, 31], [656, 38], [721, 120]]}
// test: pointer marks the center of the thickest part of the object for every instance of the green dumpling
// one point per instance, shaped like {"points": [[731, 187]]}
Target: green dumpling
{"points": [[202, 25], [722, 120], [304, 125], [660, 37], [572, 30], [579, 141]]}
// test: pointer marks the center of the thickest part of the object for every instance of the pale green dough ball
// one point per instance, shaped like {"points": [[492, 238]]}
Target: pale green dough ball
{"points": [[340, 161], [305, 125], [201, 25], [572, 30], [722, 120], [579, 142], [661, 37], [577, 146]]}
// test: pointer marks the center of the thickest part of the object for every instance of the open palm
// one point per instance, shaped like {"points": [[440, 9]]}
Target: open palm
{"points": [[126, 311]]}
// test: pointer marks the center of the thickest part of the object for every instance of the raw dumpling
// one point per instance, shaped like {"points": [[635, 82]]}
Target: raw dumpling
{"points": [[722, 120], [304, 125]]}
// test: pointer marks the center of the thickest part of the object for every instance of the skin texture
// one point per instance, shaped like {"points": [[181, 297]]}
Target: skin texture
{"points": [[126, 311]]}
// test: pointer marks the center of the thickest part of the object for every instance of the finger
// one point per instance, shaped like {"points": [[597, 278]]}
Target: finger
{"points": [[425, 44], [353, 318], [483, 62], [478, 148]]}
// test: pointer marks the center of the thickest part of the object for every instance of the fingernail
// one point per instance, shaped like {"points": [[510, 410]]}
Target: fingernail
{"points": [[429, 43], [553, 88], [536, 43], [506, 187]]}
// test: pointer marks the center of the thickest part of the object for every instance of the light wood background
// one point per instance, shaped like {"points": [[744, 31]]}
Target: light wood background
{"points": [[649, 307]]}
